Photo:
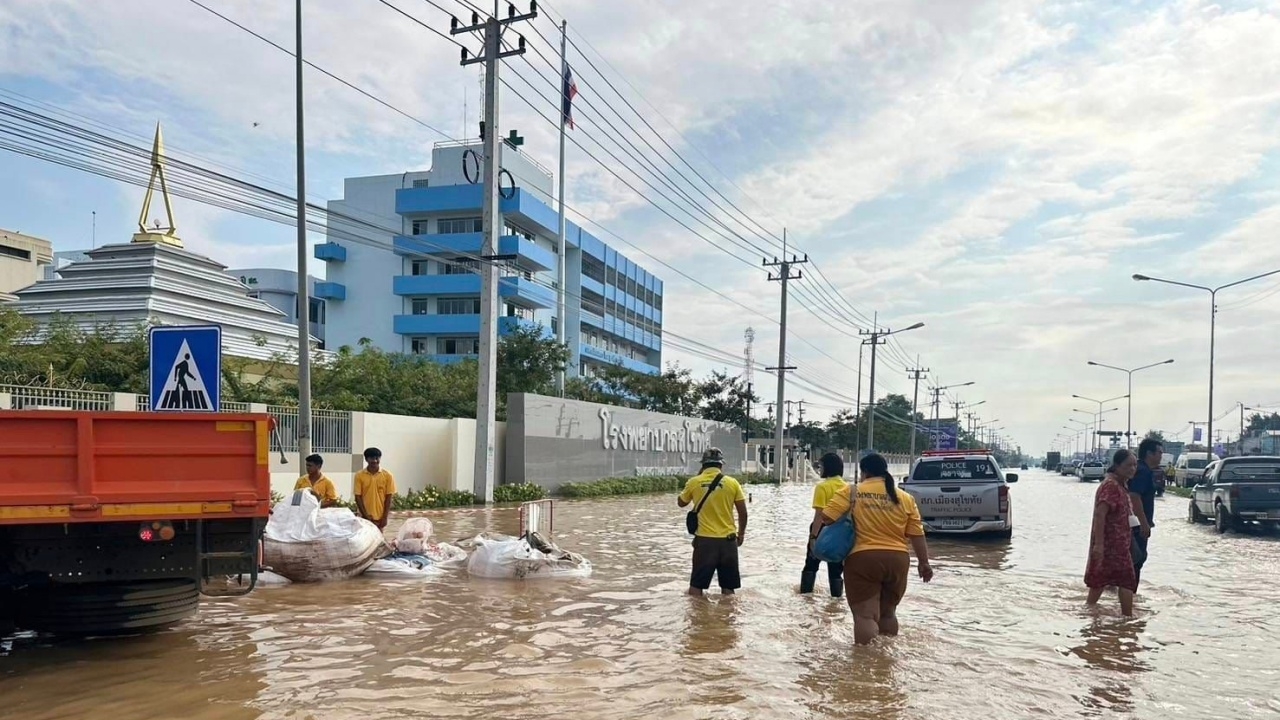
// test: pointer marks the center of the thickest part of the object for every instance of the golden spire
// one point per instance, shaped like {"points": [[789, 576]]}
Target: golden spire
{"points": [[157, 234]]}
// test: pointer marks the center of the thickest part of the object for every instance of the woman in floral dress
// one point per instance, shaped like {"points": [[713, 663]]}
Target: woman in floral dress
{"points": [[1110, 561]]}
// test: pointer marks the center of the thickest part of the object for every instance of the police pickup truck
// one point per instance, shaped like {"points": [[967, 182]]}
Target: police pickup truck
{"points": [[962, 492]]}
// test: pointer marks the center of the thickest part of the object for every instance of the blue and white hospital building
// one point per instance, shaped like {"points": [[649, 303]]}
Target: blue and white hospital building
{"points": [[414, 291]]}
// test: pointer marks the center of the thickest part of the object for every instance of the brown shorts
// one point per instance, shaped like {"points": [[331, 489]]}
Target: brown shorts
{"points": [[877, 573]]}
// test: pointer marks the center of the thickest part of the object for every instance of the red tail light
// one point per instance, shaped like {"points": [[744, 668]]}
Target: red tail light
{"points": [[158, 531], [1004, 498]]}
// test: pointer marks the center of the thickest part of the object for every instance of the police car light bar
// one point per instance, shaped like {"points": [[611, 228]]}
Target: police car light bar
{"points": [[955, 453]]}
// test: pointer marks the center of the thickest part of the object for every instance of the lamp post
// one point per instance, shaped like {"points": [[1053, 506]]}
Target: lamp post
{"points": [[875, 338], [1078, 431], [937, 401], [1128, 435], [1098, 427], [1213, 317]]}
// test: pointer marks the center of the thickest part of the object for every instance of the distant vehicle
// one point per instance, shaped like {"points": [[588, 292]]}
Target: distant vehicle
{"points": [[1189, 469], [962, 492], [1066, 468], [1092, 470], [1158, 477], [1053, 461], [1024, 466], [1238, 491]]}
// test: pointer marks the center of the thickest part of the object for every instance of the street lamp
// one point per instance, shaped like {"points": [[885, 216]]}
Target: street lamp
{"points": [[875, 339], [1213, 318], [1097, 425], [937, 400], [1129, 432], [1098, 428]]}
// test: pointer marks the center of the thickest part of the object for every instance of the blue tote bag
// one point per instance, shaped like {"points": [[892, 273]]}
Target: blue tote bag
{"points": [[835, 541]]}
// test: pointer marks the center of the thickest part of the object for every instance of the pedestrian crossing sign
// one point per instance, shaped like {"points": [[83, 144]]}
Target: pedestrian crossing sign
{"points": [[186, 368]]}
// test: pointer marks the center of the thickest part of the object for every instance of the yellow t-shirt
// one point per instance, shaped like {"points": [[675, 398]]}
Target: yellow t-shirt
{"points": [[323, 489], [880, 524], [373, 490], [823, 491], [715, 519]]}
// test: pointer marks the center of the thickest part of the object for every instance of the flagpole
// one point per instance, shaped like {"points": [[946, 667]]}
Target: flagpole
{"points": [[560, 274]]}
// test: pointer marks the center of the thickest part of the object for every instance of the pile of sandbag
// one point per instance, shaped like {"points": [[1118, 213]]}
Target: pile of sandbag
{"points": [[504, 557], [306, 543], [414, 539]]}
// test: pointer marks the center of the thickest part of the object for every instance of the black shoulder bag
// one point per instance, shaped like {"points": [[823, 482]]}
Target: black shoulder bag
{"points": [[691, 520]]}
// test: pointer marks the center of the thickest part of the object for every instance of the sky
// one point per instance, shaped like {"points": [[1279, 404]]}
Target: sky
{"points": [[997, 170]]}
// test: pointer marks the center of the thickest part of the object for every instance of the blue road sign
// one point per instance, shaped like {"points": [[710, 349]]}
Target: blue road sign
{"points": [[186, 368], [944, 435]]}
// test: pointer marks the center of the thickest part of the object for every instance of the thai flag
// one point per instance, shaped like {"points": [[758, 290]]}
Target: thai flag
{"points": [[568, 92]]}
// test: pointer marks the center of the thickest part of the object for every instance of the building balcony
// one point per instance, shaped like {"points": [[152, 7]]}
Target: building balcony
{"points": [[457, 325], [592, 352], [331, 291], [528, 255], [515, 290], [330, 252], [523, 207]]}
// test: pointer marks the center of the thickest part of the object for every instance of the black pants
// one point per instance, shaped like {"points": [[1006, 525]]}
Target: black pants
{"points": [[716, 557], [835, 571], [1139, 552]]}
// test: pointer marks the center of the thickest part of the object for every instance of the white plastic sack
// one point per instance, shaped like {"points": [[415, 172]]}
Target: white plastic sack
{"points": [[503, 557], [308, 544], [398, 566], [445, 555]]}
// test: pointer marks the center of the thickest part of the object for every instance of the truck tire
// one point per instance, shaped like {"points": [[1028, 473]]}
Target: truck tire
{"points": [[108, 608], [1221, 519], [1194, 515]]}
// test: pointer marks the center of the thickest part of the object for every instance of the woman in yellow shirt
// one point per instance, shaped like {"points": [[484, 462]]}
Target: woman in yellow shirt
{"points": [[832, 482], [875, 573]]}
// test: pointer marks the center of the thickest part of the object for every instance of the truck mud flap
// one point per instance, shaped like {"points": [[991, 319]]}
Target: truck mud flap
{"points": [[107, 608]]}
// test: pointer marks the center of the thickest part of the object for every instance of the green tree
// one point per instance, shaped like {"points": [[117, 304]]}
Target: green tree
{"points": [[810, 435], [842, 430], [1154, 435], [724, 398], [1259, 422], [528, 362]]}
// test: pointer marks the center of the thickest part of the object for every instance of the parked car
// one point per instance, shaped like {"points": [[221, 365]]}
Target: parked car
{"points": [[1092, 470], [1238, 491], [1158, 477], [962, 493], [1024, 466], [1189, 469]]}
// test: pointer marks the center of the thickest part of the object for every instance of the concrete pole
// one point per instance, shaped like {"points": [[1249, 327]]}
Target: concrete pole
{"points": [[779, 458], [304, 298], [560, 270], [486, 390]]}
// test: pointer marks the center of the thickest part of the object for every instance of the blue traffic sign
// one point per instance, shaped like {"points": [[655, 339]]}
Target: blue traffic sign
{"points": [[186, 368]]}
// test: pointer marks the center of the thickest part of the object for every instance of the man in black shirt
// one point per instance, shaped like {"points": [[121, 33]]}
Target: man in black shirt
{"points": [[1142, 493]]}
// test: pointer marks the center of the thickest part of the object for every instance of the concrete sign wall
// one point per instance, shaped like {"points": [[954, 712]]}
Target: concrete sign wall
{"points": [[551, 441]]}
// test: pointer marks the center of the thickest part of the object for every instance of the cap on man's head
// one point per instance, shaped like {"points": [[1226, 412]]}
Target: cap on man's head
{"points": [[372, 453], [713, 456]]}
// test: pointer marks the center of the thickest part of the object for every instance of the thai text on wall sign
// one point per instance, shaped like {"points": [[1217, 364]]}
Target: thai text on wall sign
{"points": [[688, 437]]}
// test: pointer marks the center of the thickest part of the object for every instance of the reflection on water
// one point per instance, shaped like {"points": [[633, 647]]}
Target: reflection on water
{"points": [[1002, 631]]}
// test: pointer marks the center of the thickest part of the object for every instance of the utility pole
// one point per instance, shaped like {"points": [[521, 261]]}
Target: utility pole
{"points": [[784, 275], [749, 373], [304, 295], [560, 241], [486, 388], [877, 336], [915, 374]]}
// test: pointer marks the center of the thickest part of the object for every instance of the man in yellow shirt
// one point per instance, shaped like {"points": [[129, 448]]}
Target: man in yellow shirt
{"points": [[374, 488], [715, 496], [832, 482], [319, 485]]}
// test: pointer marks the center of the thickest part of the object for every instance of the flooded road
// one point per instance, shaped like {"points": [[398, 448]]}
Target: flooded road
{"points": [[1002, 632]]}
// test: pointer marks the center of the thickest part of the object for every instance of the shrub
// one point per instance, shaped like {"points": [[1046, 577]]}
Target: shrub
{"points": [[755, 478], [430, 498], [276, 498], [622, 486], [522, 492]]}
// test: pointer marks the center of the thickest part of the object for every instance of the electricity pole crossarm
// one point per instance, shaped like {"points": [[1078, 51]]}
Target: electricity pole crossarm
{"points": [[784, 276], [915, 374], [486, 387], [876, 337]]}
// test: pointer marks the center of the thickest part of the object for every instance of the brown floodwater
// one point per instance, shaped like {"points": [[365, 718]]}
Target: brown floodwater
{"points": [[1002, 632]]}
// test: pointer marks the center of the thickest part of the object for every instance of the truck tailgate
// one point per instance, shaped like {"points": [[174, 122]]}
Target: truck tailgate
{"points": [[1256, 498], [957, 501], [92, 466]]}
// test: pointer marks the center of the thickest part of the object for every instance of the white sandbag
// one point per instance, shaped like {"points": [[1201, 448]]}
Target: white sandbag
{"points": [[305, 543], [418, 528], [266, 578], [400, 565], [504, 557], [445, 555]]}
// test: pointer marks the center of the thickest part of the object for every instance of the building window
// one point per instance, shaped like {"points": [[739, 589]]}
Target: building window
{"points": [[631, 287], [421, 346], [458, 306], [422, 182], [611, 276], [657, 302], [458, 346], [317, 311], [513, 229], [555, 326], [592, 302], [419, 267], [517, 311], [454, 267], [593, 268], [419, 227], [421, 306], [459, 225], [14, 252]]}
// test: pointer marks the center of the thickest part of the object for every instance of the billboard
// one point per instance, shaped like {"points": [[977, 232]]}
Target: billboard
{"points": [[551, 441], [944, 434]]}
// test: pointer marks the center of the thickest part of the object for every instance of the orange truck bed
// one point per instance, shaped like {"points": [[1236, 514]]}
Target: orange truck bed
{"points": [[84, 467]]}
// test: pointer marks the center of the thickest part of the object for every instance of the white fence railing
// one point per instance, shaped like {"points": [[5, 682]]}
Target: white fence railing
{"points": [[29, 397], [330, 429]]}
